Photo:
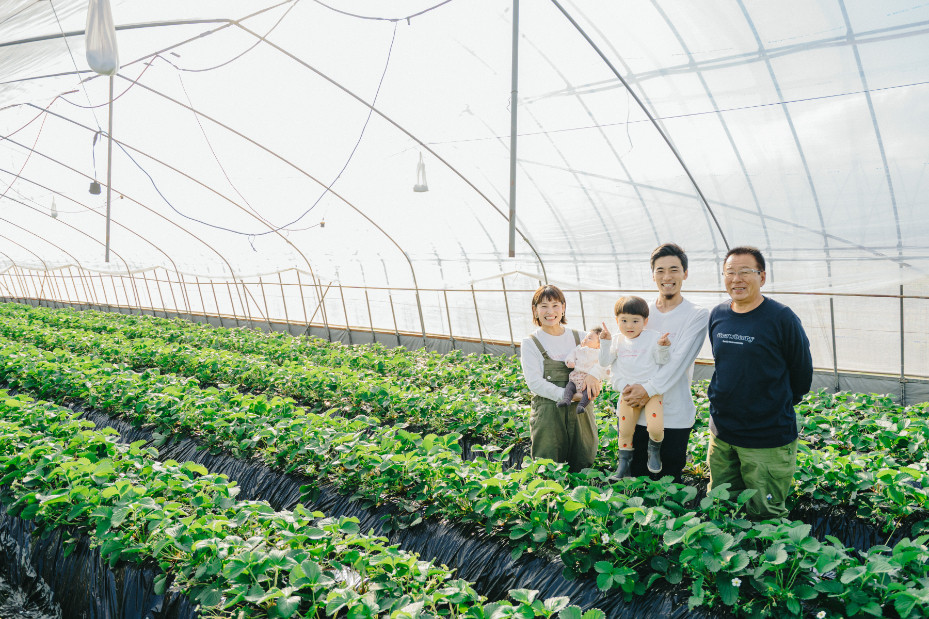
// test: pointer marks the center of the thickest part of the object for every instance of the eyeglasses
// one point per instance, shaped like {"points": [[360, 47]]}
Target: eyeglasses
{"points": [[742, 273]]}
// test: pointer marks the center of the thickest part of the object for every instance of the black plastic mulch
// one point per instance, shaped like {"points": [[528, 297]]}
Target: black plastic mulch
{"points": [[81, 585], [475, 555]]}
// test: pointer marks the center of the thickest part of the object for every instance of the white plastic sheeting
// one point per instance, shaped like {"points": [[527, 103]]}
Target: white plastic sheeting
{"points": [[240, 127]]}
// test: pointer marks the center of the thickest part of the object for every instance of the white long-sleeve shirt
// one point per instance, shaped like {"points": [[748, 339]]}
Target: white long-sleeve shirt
{"points": [[587, 360], [558, 348], [687, 326], [635, 360]]}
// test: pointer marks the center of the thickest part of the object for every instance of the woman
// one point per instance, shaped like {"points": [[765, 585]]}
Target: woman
{"points": [[559, 434]]}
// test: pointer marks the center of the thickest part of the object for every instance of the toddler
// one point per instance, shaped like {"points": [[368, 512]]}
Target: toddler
{"points": [[584, 360], [634, 357]]}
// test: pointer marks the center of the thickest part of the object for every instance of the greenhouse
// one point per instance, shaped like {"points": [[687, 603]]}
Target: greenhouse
{"points": [[295, 242]]}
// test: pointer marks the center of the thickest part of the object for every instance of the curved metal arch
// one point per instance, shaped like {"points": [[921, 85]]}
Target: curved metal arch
{"points": [[58, 247], [39, 258], [525, 170], [238, 24], [722, 122], [147, 208], [13, 264], [229, 200], [793, 132], [609, 145], [786, 222], [570, 170], [94, 211], [64, 223], [877, 130], [397, 126], [654, 122], [273, 229], [88, 289]]}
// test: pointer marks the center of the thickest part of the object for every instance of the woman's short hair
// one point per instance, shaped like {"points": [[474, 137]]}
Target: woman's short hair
{"points": [[547, 293], [637, 306]]}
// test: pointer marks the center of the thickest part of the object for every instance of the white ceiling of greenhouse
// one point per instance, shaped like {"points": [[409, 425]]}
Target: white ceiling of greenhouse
{"points": [[240, 126]]}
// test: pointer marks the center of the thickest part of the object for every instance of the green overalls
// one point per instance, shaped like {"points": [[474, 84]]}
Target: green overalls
{"points": [[560, 434]]}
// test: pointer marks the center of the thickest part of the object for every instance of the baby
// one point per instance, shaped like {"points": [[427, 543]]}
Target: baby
{"points": [[584, 360], [634, 358]]}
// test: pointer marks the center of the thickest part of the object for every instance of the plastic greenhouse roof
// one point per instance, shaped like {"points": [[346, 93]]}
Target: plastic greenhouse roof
{"points": [[240, 126]]}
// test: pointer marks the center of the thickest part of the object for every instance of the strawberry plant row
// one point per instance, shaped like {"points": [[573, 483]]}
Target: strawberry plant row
{"points": [[237, 558], [849, 422], [420, 369], [874, 483], [490, 417], [625, 533]]}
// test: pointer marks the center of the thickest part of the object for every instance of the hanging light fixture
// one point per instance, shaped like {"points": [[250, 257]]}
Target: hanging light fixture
{"points": [[54, 212], [95, 188], [420, 185]]}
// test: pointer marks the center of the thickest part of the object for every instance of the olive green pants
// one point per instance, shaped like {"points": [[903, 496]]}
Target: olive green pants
{"points": [[770, 471], [563, 435]]}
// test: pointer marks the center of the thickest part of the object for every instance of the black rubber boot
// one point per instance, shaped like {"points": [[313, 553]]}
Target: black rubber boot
{"points": [[624, 465], [654, 456]]}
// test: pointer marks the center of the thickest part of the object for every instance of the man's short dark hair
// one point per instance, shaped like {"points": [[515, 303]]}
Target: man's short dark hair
{"points": [[637, 306], [747, 250], [669, 249]]}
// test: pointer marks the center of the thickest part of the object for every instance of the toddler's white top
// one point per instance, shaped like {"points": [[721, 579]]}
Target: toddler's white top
{"points": [[634, 361]]}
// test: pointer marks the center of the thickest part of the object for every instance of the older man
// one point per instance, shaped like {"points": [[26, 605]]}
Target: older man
{"points": [[763, 369], [686, 325]]}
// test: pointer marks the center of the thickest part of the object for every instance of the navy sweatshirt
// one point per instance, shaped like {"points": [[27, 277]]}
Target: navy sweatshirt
{"points": [[763, 368]]}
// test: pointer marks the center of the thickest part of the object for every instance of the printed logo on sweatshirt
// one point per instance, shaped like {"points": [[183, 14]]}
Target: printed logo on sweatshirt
{"points": [[735, 338]]}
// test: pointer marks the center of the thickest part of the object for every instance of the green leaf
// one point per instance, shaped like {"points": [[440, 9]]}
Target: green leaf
{"points": [[525, 596], [904, 603], [211, 596], [557, 603], [196, 468], [286, 607], [161, 582], [852, 574], [745, 496], [727, 592], [571, 612]]}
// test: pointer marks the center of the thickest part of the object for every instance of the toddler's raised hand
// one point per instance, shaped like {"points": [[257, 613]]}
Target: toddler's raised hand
{"points": [[605, 333], [664, 341]]}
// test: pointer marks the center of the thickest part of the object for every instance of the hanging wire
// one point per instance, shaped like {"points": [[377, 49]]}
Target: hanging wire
{"points": [[234, 58], [73, 61], [285, 227], [216, 157], [357, 142], [107, 102], [28, 157], [390, 19]]}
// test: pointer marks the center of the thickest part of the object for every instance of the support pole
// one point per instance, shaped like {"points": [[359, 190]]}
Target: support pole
{"points": [[902, 350], [477, 316], [109, 172], [513, 97], [448, 314], [506, 306], [835, 356]]}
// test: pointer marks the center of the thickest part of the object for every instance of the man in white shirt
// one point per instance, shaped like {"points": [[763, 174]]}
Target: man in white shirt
{"points": [[686, 323]]}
